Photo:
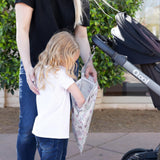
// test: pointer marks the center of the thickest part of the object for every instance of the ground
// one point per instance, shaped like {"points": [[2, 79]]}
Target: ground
{"points": [[107, 120]]}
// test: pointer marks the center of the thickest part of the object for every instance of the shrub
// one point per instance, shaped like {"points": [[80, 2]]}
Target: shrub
{"points": [[9, 58]]}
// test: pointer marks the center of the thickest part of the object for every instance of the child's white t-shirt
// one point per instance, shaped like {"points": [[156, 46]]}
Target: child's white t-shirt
{"points": [[53, 106]]}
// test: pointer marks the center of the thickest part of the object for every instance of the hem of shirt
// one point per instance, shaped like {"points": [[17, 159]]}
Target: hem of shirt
{"points": [[54, 137], [25, 2], [85, 24]]}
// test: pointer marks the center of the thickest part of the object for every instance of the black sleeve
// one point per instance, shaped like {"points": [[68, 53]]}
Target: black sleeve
{"points": [[28, 2], [85, 13]]}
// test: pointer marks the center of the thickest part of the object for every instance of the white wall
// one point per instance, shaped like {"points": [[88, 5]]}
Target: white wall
{"points": [[102, 102], [9, 100]]}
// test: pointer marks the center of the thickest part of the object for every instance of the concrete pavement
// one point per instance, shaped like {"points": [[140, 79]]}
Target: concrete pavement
{"points": [[99, 146]]}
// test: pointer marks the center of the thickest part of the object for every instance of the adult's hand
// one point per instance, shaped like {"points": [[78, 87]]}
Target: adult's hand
{"points": [[30, 75], [90, 70]]}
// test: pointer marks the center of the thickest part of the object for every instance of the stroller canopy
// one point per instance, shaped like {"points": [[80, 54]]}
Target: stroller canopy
{"points": [[132, 39]]}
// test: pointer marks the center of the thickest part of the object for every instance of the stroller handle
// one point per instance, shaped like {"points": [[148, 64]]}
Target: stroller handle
{"points": [[101, 42]]}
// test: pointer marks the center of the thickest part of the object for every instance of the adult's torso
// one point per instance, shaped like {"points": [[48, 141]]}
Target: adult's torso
{"points": [[49, 16]]}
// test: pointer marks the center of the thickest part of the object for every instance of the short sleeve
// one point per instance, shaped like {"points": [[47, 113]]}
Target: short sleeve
{"points": [[64, 80], [85, 13], [28, 2]]}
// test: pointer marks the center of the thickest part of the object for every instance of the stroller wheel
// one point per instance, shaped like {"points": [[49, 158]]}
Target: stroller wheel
{"points": [[132, 152]]}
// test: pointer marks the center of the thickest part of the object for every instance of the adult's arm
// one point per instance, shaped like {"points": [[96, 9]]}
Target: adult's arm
{"points": [[23, 20], [85, 51]]}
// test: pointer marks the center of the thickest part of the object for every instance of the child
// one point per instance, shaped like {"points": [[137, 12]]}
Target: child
{"points": [[54, 73]]}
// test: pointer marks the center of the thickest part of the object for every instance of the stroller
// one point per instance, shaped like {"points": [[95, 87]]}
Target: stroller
{"points": [[134, 43]]}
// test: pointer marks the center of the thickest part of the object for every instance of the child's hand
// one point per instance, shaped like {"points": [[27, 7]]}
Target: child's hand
{"points": [[81, 102], [76, 93]]}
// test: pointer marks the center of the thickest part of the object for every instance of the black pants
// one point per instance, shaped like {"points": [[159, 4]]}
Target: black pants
{"points": [[153, 71]]}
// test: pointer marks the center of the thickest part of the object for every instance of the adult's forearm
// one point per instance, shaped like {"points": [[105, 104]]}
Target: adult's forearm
{"points": [[24, 48], [84, 49], [82, 39], [23, 20]]}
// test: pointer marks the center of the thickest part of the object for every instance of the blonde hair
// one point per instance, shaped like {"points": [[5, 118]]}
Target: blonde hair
{"points": [[78, 12], [60, 51]]}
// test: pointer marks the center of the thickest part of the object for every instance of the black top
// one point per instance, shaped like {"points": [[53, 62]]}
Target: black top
{"points": [[50, 16]]}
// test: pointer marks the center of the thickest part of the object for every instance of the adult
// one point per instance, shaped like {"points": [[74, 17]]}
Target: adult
{"points": [[36, 22]]}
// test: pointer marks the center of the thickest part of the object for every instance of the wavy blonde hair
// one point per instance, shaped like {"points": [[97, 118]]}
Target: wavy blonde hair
{"points": [[61, 50], [78, 12]]}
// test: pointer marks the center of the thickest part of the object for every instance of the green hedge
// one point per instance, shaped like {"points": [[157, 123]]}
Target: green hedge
{"points": [[108, 74], [9, 58]]}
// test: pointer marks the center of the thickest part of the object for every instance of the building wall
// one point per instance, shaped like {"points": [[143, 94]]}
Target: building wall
{"points": [[9, 100], [102, 102]]}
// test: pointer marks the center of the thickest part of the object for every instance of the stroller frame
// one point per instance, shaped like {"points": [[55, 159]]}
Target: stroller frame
{"points": [[101, 42]]}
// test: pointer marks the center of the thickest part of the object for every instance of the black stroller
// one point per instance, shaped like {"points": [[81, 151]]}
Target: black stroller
{"points": [[133, 42]]}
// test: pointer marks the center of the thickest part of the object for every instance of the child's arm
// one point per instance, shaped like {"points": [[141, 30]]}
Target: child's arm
{"points": [[76, 93]]}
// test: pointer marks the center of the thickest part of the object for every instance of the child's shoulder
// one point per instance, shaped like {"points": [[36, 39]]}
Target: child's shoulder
{"points": [[58, 74], [62, 70]]}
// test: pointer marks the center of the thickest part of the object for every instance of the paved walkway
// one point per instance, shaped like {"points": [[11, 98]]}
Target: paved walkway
{"points": [[99, 146]]}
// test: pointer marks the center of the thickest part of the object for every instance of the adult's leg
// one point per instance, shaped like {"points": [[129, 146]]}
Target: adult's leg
{"points": [[52, 149], [26, 143]]}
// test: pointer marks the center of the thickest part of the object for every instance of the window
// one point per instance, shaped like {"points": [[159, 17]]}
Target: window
{"points": [[149, 16]]}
